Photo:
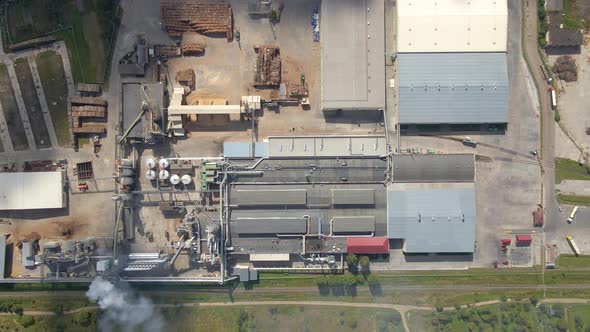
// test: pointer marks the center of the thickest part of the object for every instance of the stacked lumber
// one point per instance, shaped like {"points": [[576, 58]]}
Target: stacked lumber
{"points": [[193, 49], [89, 88], [267, 72], [88, 101], [168, 51], [94, 129], [203, 18], [88, 111]]}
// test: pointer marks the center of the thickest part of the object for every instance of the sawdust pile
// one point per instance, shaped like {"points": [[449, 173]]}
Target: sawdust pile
{"points": [[566, 69]]}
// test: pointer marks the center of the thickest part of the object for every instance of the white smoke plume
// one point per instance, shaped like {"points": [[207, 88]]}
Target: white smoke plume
{"points": [[123, 309]]}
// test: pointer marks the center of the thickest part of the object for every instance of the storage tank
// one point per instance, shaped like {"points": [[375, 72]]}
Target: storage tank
{"points": [[163, 163], [186, 179], [175, 179], [150, 163], [150, 174], [164, 174], [126, 181]]}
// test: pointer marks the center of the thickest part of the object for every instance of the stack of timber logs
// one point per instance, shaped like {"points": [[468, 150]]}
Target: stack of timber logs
{"points": [[203, 18]]}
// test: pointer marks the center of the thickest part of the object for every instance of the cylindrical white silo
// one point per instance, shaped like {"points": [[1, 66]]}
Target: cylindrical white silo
{"points": [[175, 179], [163, 163], [186, 179], [150, 174], [150, 163], [164, 174]]}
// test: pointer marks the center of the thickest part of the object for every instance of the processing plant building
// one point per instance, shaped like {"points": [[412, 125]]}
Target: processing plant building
{"points": [[353, 55], [32, 191], [452, 62]]}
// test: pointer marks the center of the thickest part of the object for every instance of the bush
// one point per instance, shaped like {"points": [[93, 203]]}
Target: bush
{"points": [[457, 307], [83, 318], [556, 116], [26, 321], [534, 300], [364, 261], [503, 298], [439, 308]]}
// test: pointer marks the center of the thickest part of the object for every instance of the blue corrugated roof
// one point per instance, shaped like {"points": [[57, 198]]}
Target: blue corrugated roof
{"points": [[452, 88], [244, 149], [433, 220]]}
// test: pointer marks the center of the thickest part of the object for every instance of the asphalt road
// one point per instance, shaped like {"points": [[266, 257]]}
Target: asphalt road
{"points": [[533, 58]]}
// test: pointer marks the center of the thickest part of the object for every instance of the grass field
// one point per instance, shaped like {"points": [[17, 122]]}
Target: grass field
{"points": [[573, 199], [522, 316], [86, 31], [81, 322], [29, 93], [572, 18], [566, 169], [53, 79], [573, 262], [282, 318], [11, 113]]}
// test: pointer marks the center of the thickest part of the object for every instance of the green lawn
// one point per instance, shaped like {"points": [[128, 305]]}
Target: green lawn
{"points": [[53, 79], [566, 169], [28, 19], [573, 199], [573, 262], [578, 317]]}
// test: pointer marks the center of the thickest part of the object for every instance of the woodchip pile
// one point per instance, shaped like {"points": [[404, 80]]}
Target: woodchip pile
{"points": [[186, 77], [203, 18], [267, 72]]}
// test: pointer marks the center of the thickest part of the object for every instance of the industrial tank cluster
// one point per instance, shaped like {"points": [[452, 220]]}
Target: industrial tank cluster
{"points": [[162, 172]]}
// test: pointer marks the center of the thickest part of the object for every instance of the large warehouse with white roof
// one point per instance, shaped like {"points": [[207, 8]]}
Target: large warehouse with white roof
{"points": [[452, 63], [32, 190]]}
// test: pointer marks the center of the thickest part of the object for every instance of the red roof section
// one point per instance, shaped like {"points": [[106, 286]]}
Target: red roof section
{"points": [[367, 245], [538, 218], [524, 238]]}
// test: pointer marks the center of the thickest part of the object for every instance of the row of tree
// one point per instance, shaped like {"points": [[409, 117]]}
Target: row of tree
{"points": [[353, 261]]}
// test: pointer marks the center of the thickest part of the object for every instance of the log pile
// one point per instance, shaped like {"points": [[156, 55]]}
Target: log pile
{"points": [[193, 49], [267, 72], [168, 51], [203, 18], [88, 111], [80, 108]]}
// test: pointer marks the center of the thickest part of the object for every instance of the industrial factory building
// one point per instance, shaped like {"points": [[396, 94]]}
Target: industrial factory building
{"points": [[452, 63], [431, 203], [32, 191], [353, 55], [305, 203], [454, 88]]}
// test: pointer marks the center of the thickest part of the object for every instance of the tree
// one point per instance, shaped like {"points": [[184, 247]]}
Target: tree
{"points": [[534, 300], [26, 321], [83, 318], [364, 261], [373, 281], [352, 260]]}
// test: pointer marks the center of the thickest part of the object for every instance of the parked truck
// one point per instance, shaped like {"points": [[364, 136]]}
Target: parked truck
{"points": [[573, 245]]}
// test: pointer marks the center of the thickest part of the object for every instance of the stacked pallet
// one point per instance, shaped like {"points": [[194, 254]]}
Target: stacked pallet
{"points": [[203, 18], [193, 49], [88, 88], [267, 72]]}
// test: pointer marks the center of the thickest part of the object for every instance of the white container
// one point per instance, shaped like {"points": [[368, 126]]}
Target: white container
{"points": [[125, 172], [126, 181], [150, 163], [125, 163], [175, 179], [186, 179], [163, 163], [164, 174], [150, 174]]}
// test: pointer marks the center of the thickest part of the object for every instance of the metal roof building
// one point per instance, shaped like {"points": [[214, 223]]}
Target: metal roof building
{"points": [[433, 168], [352, 54], [326, 146], [2, 256], [454, 88], [452, 26], [32, 190], [432, 218]]}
